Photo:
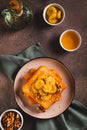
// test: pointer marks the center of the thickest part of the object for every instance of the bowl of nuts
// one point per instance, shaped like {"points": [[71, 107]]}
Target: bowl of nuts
{"points": [[11, 119], [53, 14]]}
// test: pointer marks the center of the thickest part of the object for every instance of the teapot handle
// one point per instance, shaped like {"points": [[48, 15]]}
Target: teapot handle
{"points": [[3, 12]]}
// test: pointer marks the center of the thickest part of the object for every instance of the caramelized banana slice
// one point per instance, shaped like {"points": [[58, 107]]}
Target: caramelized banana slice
{"points": [[51, 10], [39, 84], [50, 85], [54, 89], [47, 88], [50, 80], [42, 93]]}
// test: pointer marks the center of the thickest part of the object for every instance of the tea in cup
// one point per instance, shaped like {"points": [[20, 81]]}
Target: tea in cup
{"points": [[70, 40]]}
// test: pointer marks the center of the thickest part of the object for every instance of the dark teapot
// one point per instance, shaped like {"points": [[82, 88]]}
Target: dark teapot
{"points": [[17, 18]]}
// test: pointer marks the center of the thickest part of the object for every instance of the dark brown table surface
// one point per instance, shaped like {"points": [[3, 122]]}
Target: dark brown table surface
{"points": [[14, 41]]}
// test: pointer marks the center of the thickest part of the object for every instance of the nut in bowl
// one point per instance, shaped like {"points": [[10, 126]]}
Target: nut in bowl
{"points": [[54, 14], [70, 40], [11, 119]]}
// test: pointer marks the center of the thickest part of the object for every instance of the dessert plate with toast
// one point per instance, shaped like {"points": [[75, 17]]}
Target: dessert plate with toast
{"points": [[44, 88]]}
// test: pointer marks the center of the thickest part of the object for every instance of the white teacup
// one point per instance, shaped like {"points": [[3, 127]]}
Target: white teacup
{"points": [[70, 40]]}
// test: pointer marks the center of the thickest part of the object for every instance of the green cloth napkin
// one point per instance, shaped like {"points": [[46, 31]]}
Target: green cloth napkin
{"points": [[74, 118]]}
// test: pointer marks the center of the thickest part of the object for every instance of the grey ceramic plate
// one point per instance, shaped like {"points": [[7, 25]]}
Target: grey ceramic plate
{"points": [[58, 107]]}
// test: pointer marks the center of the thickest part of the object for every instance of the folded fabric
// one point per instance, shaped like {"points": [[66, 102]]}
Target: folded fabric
{"points": [[74, 118], [12, 63]]}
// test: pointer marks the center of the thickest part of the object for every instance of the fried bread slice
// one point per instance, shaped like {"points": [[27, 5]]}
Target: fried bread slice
{"points": [[44, 86]]}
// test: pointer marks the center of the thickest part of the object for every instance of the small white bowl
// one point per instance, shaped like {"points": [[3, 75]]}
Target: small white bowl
{"points": [[15, 112], [70, 40], [58, 6]]}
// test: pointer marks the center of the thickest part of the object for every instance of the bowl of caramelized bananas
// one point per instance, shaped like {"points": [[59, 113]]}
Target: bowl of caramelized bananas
{"points": [[11, 119], [54, 14]]}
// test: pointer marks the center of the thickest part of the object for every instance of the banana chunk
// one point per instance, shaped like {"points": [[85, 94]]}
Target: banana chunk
{"points": [[52, 19], [59, 14], [51, 10]]}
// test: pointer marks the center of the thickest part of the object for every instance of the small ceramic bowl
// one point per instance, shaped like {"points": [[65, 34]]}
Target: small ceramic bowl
{"points": [[70, 40], [11, 119], [53, 14]]}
